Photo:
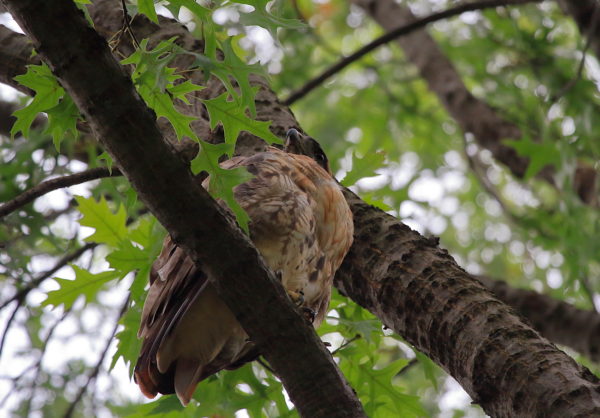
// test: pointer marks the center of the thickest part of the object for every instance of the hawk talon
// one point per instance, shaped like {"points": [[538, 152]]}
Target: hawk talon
{"points": [[309, 314], [297, 297]]}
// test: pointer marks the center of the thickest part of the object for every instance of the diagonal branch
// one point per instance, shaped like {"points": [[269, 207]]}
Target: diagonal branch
{"points": [[106, 96], [22, 293], [47, 186], [394, 34], [559, 321]]}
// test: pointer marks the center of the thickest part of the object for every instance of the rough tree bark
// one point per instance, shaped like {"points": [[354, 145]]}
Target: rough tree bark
{"points": [[559, 321], [419, 291], [83, 62]]}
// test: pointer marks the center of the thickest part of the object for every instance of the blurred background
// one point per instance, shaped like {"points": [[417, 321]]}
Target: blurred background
{"points": [[482, 131]]}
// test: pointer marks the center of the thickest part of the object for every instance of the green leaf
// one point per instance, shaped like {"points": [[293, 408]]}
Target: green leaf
{"points": [[233, 66], [128, 257], [429, 368], [155, 83], [85, 284], [163, 105], [232, 115], [109, 161], [47, 94], [110, 227], [201, 13], [147, 7], [62, 120], [540, 154], [222, 182], [364, 167], [128, 344], [180, 90], [260, 16]]}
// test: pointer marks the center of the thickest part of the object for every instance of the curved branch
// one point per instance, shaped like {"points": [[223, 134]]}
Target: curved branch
{"points": [[47, 186], [394, 34]]}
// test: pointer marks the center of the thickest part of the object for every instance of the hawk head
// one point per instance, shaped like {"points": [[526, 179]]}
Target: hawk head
{"points": [[297, 143]]}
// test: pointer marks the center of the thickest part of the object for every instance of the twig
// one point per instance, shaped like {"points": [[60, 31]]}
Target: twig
{"points": [[38, 364], [265, 365], [569, 85], [57, 183], [127, 20], [8, 324], [96, 370], [346, 344], [408, 366], [21, 294], [396, 33]]}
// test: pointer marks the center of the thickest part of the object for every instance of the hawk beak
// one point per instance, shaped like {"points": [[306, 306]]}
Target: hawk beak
{"points": [[293, 142], [292, 137]]}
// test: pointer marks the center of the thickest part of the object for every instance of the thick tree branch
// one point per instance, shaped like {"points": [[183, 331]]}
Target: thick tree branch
{"points": [[556, 320], [47, 186], [15, 54], [106, 97], [420, 292], [393, 34]]}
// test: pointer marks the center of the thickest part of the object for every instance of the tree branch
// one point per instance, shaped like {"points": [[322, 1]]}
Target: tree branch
{"points": [[420, 292], [22, 293], [106, 96], [394, 34], [556, 320], [47, 186], [15, 54]]}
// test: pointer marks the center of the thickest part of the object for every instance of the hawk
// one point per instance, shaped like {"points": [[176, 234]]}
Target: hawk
{"points": [[302, 227]]}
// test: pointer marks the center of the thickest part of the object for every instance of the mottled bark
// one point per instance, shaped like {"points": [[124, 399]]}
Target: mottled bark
{"points": [[418, 290], [556, 320], [126, 128]]}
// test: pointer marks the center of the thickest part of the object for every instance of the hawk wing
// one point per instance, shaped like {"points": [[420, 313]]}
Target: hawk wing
{"points": [[302, 226]]}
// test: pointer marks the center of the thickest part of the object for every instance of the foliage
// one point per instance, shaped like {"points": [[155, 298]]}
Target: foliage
{"points": [[386, 135]]}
